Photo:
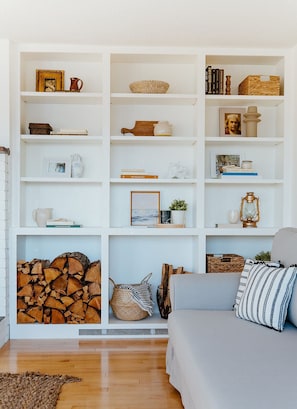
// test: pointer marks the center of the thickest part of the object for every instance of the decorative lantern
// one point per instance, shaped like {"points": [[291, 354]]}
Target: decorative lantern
{"points": [[249, 210]]}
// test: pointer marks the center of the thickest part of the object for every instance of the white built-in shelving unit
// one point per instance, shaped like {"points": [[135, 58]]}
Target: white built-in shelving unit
{"points": [[100, 200]]}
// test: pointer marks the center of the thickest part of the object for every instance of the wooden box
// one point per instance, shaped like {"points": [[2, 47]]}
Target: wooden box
{"points": [[40, 129], [260, 85], [224, 263]]}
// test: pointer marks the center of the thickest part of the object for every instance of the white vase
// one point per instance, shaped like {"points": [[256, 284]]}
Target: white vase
{"points": [[41, 216], [178, 217]]}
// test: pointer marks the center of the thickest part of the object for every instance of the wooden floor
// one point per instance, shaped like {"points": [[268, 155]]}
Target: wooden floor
{"points": [[116, 374]]}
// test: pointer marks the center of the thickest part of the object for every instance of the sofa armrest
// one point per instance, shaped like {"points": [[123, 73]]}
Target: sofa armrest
{"points": [[210, 291]]}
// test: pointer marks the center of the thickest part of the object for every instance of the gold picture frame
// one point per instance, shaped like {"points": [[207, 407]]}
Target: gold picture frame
{"points": [[232, 121], [49, 80]]}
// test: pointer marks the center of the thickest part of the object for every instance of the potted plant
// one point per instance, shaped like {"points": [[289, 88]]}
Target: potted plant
{"points": [[178, 209]]}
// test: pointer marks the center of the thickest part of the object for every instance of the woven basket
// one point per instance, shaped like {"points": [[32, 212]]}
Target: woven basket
{"points": [[226, 263], [123, 305], [149, 87]]}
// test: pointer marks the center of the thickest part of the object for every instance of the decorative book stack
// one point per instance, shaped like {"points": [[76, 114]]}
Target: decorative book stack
{"points": [[61, 223], [214, 80], [137, 174], [237, 171]]}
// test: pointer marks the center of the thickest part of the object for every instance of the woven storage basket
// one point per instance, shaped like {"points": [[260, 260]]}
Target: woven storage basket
{"points": [[225, 263], [260, 85], [122, 303], [149, 87]]}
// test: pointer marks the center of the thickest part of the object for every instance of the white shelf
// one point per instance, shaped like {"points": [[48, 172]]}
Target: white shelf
{"points": [[243, 100], [60, 180], [244, 180], [61, 97], [56, 139], [154, 99], [101, 200], [174, 140]]}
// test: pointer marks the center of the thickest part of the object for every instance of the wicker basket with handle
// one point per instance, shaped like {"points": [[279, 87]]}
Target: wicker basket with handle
{"points": [[132, 302]]}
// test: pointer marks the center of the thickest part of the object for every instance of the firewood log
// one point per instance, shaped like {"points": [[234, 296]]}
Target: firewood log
{"points": [[94, 289], [53, 303], [73, 285], [95, 302], [36, 313], [51, 273], [57, 317], [92, 316], [77, 308], [23, 318], [27, 290], [67, 300], [60, 284], [93, 273], [23, 279]]}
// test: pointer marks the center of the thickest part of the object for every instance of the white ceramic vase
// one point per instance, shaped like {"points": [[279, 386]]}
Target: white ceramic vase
{"points": [[41, 216]]}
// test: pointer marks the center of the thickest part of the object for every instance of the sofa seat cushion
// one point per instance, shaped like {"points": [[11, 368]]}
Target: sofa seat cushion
{"points": [[218, 361]]}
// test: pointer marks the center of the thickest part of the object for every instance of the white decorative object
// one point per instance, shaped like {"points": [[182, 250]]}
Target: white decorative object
{"points": [[177, 171], [251, 119], [77, 166], [41, 216], [233, 216], [178, 217], [163, 128]]}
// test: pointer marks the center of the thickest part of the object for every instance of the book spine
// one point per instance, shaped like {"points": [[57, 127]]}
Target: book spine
{"points": [[139, 176], [221, 81], [209, 76]]}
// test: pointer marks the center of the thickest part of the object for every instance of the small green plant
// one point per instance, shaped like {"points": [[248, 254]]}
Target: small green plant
{"points": [[263, 256], [178, 205]]}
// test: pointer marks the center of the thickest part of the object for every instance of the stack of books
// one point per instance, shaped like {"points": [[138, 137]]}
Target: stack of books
{"points": [[70, 132], [236, 171], [214, 80], [61, 223], [137, 174]]}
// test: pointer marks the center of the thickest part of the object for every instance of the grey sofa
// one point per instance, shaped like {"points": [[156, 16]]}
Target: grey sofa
{"points": [[219, 361]]}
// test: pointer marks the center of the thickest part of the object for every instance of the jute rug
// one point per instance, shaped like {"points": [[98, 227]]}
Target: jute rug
{"points": [[31, 390]]}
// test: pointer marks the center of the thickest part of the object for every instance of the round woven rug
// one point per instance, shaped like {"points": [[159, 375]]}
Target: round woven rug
{"points": [[31, 390]]}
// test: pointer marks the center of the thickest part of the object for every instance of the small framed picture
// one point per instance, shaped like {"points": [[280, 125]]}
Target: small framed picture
{"points": [[145, 208], [232, 122], [57, 167], [217, 161], [49, 81]]}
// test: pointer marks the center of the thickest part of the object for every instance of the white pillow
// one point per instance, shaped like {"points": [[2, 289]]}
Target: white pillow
{"points": [[266, 295], [249, 263]]}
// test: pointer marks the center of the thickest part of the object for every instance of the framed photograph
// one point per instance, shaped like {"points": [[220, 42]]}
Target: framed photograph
{"points": [[217, 161], [145, 208], [49, 81], [57, 167], [231, 122]]}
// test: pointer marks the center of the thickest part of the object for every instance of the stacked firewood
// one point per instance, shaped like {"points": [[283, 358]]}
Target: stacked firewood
{"points": [[66, 290], [163, 292]]}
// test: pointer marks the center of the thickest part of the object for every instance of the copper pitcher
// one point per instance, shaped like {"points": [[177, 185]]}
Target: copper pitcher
{"points": [[76, 84]]}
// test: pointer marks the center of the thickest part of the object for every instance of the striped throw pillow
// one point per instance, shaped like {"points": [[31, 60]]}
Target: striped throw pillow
{"points": [[266, 296], [249, 263]]}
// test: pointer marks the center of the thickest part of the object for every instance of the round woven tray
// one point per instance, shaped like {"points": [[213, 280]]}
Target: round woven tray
{"points": [[149, 87]]}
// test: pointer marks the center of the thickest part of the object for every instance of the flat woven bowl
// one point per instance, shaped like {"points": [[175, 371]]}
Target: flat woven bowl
{"points": [[149, 87]]}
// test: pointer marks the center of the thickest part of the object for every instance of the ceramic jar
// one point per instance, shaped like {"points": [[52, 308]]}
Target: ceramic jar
{"points": [[41, 216], [163, 128]]}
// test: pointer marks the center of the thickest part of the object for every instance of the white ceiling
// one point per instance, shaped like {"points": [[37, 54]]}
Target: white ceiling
{"points": [[218, 23]]}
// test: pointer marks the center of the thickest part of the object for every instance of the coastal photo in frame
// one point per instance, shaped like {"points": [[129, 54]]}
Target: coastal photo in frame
{"points": [[49, 80], [217, 161], [232, 121], [145, 208], [56, 167]]}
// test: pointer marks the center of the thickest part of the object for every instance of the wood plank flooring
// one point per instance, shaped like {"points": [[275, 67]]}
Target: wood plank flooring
{"points": [[116, 374]]}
